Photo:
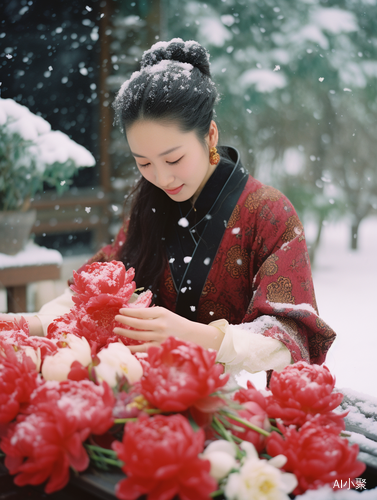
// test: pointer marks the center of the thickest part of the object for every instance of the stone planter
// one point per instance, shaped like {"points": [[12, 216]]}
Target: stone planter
{"points": [[15, 229]]}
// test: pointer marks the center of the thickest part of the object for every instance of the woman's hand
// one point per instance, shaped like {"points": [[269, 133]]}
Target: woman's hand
{"points": [[153, 325]]}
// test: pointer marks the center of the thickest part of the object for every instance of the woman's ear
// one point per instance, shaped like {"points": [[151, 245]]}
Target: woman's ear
{"points": [[213, 135]]}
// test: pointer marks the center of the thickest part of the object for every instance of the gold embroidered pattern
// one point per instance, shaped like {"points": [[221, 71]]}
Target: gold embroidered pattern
{"points": [[254, 200], [269, 266], [280, 291], [236, 215], [211, 311], [237, 262], [321, 341], [169, 284], [209, 287], [294, 229]]}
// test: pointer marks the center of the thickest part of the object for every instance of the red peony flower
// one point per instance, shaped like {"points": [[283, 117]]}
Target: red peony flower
{"points": [[180, 375], [331, 421], [16, 333], [317, 456], [18, 380], [84, 404], [46, 441], [301, 390], [102, 289], [254, 411], [49, 450], [12, 326], [62, 326], [251, 394], [103, 278], [160, 456]]}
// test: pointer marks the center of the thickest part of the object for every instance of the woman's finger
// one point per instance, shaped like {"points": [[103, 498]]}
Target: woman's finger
{"points": [[138, 324], [137, 334], [141, 312], [142, 347]]}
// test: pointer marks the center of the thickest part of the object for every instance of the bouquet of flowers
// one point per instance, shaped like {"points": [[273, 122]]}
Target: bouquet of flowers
{"points": [[171, 420]]}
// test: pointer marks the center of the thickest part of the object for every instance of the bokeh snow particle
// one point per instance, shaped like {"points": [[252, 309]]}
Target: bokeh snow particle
{"points": [[183, 222]]}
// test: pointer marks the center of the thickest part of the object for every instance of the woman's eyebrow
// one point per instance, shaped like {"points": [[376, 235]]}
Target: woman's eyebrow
{"points": [[161, 154]]}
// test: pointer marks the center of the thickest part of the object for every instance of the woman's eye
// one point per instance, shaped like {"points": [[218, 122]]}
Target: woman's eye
{"points": [[145, 165], [175, 162]]}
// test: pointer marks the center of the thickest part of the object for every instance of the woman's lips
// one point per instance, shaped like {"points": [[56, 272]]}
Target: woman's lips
{"points": [[173, 191]]}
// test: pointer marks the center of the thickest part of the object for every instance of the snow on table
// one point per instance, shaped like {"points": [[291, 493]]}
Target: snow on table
{"points": [[328, 493], [32, 255]]}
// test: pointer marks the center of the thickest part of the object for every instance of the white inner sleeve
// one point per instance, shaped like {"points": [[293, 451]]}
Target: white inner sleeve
{"points": [[55, 308], [245, 348]]}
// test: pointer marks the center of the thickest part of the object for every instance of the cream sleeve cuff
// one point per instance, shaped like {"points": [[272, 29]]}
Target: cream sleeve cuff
{"points": [[55, 308], [245, 348]]}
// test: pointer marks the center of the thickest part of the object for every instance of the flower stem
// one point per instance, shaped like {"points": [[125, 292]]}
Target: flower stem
{"points": [[109, 461], [245, 423], [223, 432], [273, 428], [99, 449], [216, 493], [98, 455], [124, 420]]}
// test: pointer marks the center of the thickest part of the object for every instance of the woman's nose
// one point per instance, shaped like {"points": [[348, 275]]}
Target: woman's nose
{"points": [[163, 176]]}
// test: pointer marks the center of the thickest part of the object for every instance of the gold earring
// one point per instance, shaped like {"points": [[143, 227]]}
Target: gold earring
{"points": [[214, 156]]}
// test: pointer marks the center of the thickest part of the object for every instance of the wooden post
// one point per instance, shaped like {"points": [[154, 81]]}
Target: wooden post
{"points": [[16, 296], [102, 234], [105, 98]]}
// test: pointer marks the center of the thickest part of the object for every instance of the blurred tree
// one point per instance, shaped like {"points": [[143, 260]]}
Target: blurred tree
{"points": [[296, 77]]}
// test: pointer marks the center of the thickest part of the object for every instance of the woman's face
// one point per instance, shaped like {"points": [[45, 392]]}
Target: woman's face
{"points": [[174, 161]]}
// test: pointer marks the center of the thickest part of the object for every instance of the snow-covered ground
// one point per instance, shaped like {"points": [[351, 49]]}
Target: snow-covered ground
{"points": [[345, 282], [346, 288]]}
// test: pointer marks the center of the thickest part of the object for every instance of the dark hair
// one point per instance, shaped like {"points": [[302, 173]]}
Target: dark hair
{"points": [[173, 85]]}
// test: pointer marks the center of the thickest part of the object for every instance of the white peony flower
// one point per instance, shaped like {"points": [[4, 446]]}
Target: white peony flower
{"points": [[81, 348], [259, 480], [221, 455], [58, 366], [117, 359]]}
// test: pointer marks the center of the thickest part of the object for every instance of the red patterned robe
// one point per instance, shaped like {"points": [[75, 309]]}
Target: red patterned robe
{"points": [[261, 268]]}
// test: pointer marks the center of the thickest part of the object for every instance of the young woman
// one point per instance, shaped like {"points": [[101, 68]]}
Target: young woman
{"points": [[224, 255]]}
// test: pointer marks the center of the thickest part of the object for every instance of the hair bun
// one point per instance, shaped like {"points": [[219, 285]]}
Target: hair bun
{"points": [[177, 50]]}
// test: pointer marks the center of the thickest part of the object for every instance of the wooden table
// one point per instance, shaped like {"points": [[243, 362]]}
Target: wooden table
{"points": [[32, 264]]}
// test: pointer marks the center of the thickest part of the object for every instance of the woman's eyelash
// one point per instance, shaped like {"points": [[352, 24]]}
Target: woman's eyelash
{"points": [[174, 162], [169, 162]]}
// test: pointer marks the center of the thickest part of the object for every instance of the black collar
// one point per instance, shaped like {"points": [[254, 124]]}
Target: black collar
{"points": [[199, 239]]}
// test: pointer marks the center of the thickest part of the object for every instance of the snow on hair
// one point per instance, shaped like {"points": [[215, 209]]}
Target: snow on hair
{"points": [[171, 73]]}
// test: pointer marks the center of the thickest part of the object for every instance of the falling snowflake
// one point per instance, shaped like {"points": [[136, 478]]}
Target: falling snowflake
{"points": [[183, 222]]}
